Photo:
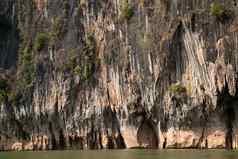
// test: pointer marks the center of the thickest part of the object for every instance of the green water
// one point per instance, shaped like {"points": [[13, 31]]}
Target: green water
{"points": [[124, 154]]}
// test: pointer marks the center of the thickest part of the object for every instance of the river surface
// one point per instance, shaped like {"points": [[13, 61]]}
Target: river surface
{"points": [[123, 154]]}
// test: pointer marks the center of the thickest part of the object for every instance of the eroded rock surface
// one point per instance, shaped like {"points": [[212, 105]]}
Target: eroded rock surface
{"points": [[90, 74]]}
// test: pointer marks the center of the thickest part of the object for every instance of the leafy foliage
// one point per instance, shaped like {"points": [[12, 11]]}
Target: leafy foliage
{"points": [[41, 41], [177, 88], [71, 60], [127, 11], [221, 13], [26, 74], [82, 64], [89, 57], [57, 29], [77, 70], [217, 9], [27, 68]]}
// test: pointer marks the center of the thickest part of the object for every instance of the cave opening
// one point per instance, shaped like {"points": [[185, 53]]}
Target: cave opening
{"points": [[147, 134], [227, 103], [230, 118]]}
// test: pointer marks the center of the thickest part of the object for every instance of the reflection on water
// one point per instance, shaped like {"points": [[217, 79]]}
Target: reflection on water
{"points": [[124, 154]]}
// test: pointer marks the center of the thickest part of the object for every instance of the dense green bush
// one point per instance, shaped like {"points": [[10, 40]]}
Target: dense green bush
{"points": [[71, 61], [82, 64], [27, 68], [15, 97], [77, 70], [177, 88], [87, 71], [90, 58], [41, 41], [217, 10], [57, 30], [127, 11], [221, 13]]}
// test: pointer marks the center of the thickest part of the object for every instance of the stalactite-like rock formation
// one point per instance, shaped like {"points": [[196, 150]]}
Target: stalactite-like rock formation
{"points": [[90, 74]]}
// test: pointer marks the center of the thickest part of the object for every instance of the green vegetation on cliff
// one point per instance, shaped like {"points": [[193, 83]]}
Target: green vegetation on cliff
{"points": [[221, 13], [217, 9], [41, 41], [177, 88], [83, 63], [57, 30], [90, 59], [127, 11], [27, 69]]}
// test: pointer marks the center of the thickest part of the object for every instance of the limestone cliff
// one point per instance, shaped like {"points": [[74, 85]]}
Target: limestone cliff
{"points": [[94, 74]]}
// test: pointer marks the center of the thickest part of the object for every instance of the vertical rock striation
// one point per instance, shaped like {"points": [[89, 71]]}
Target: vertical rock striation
{"points": [[88, 74]]}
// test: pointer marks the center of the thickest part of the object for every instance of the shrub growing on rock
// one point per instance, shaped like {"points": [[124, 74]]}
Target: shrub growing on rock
{"points": [[177, 89], [57, 30], [127, 11], [217, 9], [220, 12], [41, 41]]}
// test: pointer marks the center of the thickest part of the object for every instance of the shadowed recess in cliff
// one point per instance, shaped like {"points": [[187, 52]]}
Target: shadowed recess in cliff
{"points": [[9, 39], [113, 131], [227, 105], [147, 134]]}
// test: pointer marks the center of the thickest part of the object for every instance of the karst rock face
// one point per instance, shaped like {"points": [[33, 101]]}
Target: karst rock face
{"points": [[95, 74]]}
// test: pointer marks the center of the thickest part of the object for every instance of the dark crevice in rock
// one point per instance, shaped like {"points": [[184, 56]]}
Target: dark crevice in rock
{"points": [[54, 145], [165, 143], [93, 140], [75, 142], [62, 143], [230, 117], [193, 22], [78, 142], [111, 122], [227, 103], [235, 3], [147, 134], [204, 118], [120, 142], [176, 50], [201, 139], [110, 143]]}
